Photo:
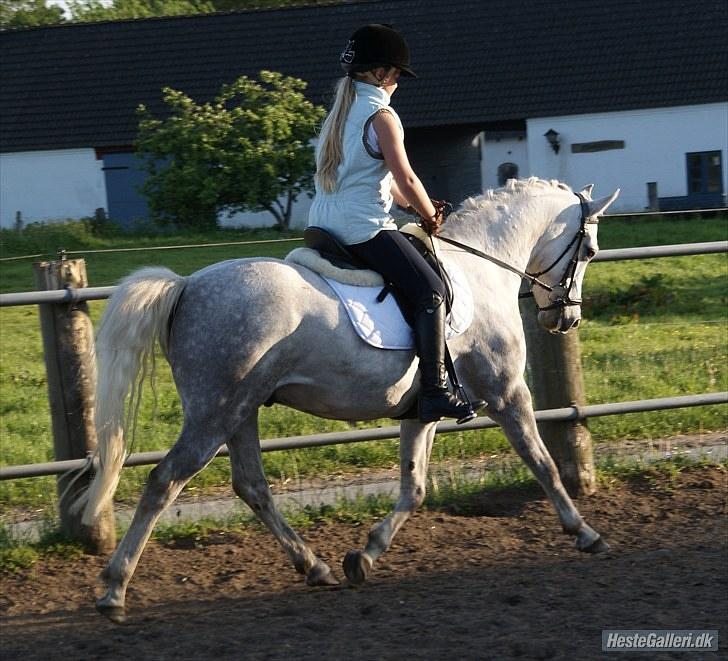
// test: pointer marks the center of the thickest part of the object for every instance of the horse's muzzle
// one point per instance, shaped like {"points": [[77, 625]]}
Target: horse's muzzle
{"points": [[560, 321]]}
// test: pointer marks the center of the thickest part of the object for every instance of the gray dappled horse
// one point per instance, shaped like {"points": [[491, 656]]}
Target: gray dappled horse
{"points": [[245, 332]]}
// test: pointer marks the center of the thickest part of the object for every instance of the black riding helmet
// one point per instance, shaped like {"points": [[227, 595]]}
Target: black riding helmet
{"points": [[375, 46]]}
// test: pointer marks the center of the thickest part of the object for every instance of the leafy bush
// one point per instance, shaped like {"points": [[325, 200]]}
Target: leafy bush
{"points": [[247, 150]]}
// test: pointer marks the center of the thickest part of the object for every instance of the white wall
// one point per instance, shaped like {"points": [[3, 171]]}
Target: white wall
{"points": [[58, 185], [496, 150], [299, 216], [656, 141], [50, 185]]}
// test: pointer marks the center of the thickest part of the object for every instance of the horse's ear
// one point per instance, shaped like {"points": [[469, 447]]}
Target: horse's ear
{"points": [[587, 190], [598, 207]]}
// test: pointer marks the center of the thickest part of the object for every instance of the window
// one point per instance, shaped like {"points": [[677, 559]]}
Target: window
{"points": [[507, 171], [705, 184], [705, 172]]}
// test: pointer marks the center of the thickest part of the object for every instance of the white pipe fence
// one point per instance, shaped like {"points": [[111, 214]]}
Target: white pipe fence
{"points": [[386, 433]]}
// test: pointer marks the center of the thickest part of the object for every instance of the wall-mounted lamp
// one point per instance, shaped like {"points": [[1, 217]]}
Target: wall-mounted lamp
{"points": [[553, 138]]}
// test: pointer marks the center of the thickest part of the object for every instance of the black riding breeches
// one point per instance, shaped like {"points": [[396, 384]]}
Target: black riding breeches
{"points": [[412, 278]]}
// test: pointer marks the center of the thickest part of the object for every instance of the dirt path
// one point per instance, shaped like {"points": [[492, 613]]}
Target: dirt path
{"points": [[495, 580]]}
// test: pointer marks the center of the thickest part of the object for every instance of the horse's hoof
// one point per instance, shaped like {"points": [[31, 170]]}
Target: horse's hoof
{"points": [[356, 567], [116, 614], [597, 546], [320, 575]]}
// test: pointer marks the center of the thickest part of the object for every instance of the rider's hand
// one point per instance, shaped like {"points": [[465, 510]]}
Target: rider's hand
{"points": [[431, 224]]}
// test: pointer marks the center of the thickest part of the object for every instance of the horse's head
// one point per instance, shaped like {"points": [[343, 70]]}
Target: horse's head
{"points": [[560, 259]]}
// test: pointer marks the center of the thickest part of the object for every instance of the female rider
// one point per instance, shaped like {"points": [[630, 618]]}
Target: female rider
{"points": [[361, 168]]}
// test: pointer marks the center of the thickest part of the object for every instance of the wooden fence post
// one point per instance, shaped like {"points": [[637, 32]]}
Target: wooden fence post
{"points": [[556, 380], [68, 344]]}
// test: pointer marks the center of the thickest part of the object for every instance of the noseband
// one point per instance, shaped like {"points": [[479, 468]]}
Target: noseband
{"points": [[560, 292]]}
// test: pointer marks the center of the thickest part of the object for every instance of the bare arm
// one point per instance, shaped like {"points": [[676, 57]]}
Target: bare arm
{"points": [[407, 185], [399, 199]]}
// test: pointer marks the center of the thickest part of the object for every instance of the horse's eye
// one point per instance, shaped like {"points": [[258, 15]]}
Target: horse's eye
{"points": [[591, 253]]}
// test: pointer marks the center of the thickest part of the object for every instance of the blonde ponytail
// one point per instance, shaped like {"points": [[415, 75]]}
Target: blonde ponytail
{"points": [[330, 150]]}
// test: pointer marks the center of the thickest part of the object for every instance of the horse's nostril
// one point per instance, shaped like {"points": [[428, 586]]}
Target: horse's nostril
{"points": [[576, 323]]}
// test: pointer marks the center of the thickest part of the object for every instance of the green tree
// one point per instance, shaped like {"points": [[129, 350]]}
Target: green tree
{"points": [[247, 150], [28, 13], [241, 5], [33, 13], [95, 10]]}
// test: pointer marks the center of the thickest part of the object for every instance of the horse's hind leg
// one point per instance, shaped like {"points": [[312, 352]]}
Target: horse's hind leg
{"points": [[414, 452], [250, 484], [519, 424], [192, 452]]}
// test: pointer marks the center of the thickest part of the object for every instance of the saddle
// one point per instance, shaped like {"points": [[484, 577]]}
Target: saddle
{"points": [[326, 244], [331, 249]]}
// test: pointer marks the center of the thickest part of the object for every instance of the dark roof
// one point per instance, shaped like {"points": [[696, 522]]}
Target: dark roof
{"points": [[478, 61]]}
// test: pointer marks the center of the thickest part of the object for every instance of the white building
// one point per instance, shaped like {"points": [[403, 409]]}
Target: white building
{"points": [[675, 154]]}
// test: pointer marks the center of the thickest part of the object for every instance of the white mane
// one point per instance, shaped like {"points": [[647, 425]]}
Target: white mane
{"points": [[501, 196]]}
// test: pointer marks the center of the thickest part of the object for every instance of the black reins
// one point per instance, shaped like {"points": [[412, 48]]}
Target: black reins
{"points": [[562, 298]]}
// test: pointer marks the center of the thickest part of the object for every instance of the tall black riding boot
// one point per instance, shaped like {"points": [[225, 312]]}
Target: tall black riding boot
{"points": [[436, 401]]}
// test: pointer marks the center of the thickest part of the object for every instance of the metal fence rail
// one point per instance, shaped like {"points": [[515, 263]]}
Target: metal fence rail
{"points": [[98, 293], [383, 433], [648, 252], [56, 296]]}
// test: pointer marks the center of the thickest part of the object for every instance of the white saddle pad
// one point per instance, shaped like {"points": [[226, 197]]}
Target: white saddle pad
{"points": [[382, 324]]}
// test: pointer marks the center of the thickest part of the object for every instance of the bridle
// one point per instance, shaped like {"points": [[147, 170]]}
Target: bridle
{"points": [[560, 293], [563, 293]]}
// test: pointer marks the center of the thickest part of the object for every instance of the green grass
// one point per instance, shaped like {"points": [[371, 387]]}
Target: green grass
{"points": [[656, 328], [628, 232], [107, 268], [614, 468], [652, 328], [17, 554]]}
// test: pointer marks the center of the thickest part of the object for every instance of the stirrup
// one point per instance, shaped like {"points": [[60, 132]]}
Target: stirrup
{"points": [[453, 406], [467, 418], [474, 406]]}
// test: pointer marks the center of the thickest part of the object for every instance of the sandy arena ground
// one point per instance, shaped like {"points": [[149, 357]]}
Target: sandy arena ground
{"points": [[494, 581]]}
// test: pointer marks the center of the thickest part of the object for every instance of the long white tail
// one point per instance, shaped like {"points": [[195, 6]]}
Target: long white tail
{"points": [[136, 317]]}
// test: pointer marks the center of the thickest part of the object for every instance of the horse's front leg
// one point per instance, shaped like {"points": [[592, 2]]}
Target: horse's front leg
{"points": [[515, 415], [414, 451]]}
